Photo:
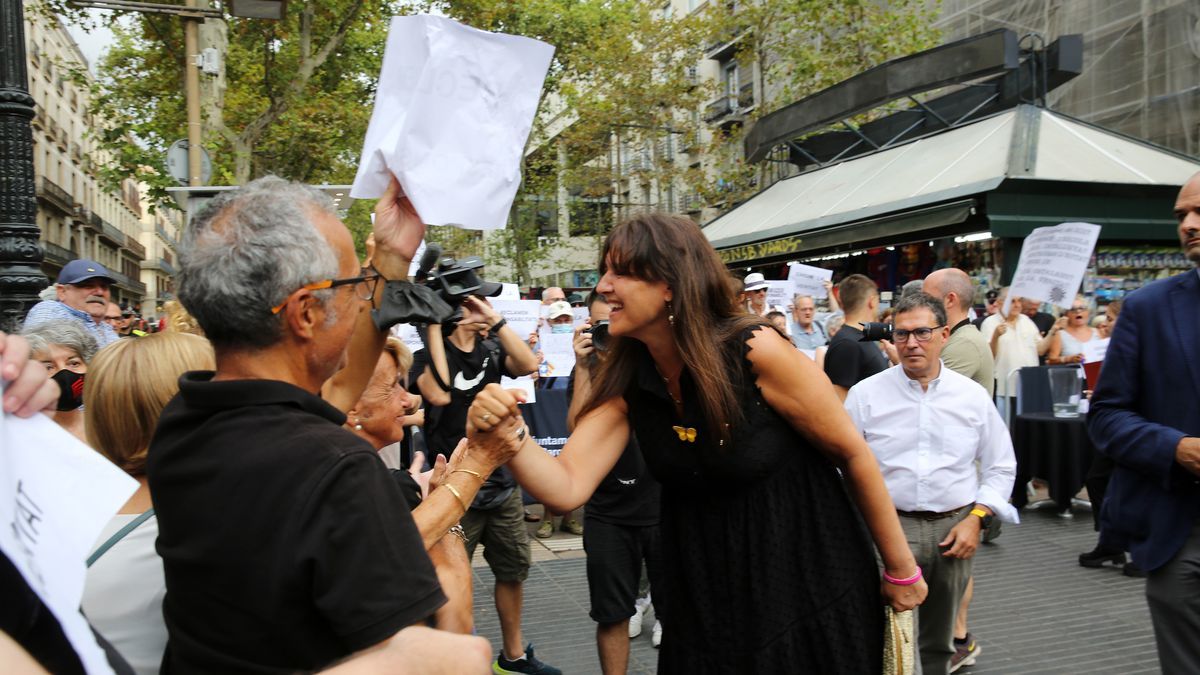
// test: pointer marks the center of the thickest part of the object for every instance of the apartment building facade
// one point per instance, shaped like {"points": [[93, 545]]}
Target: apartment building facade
{"points": [[1139, 78], [77, 216]]}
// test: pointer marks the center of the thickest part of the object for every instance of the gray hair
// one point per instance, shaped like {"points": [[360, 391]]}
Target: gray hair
{"points": [[800, 296], [246, 252], [920, 299], [64, 333], [911, 287]]}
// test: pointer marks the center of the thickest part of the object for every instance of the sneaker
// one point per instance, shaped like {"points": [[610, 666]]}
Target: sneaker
{"points": [[529, 664], [656, 634], [1098, 556], [573, 526], [545, 530], [965, 653], [635, 622]]}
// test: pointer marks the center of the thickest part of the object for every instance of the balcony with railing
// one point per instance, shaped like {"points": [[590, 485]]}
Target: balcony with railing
{"points": [[128, 283], [720, 107], [160, 264], [135, 247], [52, 193], [745, 98], [171, 241], [56, 254], [112, 233]]}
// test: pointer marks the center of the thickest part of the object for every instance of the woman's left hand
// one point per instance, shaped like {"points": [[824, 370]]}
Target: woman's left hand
{"points": [[431, 479], [904, 598]]}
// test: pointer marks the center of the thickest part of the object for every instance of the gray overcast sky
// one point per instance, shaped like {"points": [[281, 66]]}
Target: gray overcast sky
{"points": [[91, 44]]}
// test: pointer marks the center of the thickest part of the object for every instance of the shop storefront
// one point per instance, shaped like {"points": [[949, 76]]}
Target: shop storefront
{"points": [[966, 198]]}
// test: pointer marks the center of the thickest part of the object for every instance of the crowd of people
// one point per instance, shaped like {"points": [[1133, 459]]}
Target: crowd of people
{"points": [[777, 474]]}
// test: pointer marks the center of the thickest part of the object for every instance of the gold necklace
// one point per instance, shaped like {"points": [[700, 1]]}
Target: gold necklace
{"points": [[667, 385]]}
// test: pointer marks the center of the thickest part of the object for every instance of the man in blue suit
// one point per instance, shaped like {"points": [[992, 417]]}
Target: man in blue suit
{"points": [[1145, 415]]}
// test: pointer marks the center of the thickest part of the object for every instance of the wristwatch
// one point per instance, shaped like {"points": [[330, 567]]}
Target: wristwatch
{"points": [[984, 517]]}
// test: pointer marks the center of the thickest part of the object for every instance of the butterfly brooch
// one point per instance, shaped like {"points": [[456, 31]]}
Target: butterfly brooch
{"points": [[686, 434]]}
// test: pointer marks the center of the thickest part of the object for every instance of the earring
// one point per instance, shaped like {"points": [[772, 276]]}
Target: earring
{"points": [[357, 424], [670, 314]]}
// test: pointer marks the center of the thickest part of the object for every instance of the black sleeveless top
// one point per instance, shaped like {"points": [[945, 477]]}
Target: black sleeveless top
{"points": [[767, 563]]}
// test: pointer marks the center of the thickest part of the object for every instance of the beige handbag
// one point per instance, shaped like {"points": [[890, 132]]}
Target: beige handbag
{"points": [[899, 643]]}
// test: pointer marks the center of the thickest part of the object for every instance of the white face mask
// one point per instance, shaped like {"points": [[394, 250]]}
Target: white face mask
{"points": [[562, 328]]}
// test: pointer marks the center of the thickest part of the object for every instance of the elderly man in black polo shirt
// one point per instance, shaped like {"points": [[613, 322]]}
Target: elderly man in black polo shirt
{"points": [[286, 544]]}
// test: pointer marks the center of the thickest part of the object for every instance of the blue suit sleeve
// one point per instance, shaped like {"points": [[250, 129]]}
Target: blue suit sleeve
{"points": [[1117, 422]]}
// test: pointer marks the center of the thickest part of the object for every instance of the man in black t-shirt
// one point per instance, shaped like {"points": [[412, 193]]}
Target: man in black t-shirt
{"points": [[449, 372], [848, 360], [286, 546], [621, 521]]}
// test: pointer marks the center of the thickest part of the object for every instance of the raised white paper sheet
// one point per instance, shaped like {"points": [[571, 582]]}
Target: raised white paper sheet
{"points": [[56, 495], [1052, 263], [807, 280], [559, 352], [521, 315], [452, 114], [779, 295]]}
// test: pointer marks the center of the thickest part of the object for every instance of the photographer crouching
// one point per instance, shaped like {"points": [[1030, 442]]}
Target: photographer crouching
{"points": [[450, 371]]}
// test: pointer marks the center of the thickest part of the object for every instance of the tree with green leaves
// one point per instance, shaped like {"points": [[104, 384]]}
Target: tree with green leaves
{"points": [[296, 98]]}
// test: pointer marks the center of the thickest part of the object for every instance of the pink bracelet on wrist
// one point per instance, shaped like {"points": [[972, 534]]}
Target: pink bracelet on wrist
{"points": [[903, 582]]}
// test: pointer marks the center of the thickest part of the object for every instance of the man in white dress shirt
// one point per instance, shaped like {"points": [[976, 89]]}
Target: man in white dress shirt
{"points": [[927, 426]]}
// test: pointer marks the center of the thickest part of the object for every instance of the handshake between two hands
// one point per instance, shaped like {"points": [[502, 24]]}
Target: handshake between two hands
{"points": [[495, 429]]}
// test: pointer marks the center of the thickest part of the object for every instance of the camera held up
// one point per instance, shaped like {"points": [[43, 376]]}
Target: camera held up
{"points": [[874, 331]]}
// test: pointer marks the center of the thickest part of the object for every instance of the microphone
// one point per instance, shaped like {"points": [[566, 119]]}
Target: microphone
{"points": [[433, 253]]}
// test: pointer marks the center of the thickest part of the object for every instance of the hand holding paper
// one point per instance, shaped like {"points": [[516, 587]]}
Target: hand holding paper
{"points": [[397, 234], [452, 114]]}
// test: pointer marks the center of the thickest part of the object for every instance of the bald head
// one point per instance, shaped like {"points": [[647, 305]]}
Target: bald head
{"points": [[954, 288], [552, 295], [1187, 212]]}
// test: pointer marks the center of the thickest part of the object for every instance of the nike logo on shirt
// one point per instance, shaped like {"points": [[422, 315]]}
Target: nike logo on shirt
{"points": [[463, 384]]}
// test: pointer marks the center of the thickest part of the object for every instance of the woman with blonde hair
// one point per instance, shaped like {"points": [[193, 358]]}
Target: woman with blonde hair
{"points": [[379, 417], [129, 384]]}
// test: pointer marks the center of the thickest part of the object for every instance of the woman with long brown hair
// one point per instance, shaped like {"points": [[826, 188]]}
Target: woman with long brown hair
{"points": [[768, 566]]}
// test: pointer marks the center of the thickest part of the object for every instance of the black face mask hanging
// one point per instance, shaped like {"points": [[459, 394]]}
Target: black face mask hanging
{"points": [[70, 385]]}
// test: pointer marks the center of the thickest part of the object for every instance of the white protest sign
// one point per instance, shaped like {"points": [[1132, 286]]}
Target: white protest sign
{"points": [[521, 315], [579, 315], [558, 352], [509, 292], [56, 495], [524, 383], [1094, 350], [779, 294], [1052, 263], [809, 280], [452, 114]]}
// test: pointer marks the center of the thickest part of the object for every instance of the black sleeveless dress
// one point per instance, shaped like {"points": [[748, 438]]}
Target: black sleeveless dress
{"points": [[767, 564]]}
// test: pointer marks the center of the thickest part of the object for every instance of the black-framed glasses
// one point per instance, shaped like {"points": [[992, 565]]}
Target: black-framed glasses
{"points": [[922, 334], [364, 286]]}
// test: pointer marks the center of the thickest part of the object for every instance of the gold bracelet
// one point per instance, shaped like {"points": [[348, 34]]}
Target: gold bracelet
{"points": [[470, 472], [457, 495]]}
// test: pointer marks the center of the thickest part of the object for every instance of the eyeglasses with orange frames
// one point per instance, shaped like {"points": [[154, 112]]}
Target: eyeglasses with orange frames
{"points": [[364, 286]]}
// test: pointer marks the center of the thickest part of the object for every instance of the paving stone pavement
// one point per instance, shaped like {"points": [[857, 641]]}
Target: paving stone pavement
{"points": [[1035, 609]]}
